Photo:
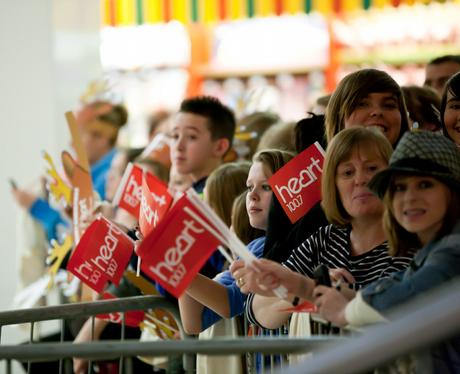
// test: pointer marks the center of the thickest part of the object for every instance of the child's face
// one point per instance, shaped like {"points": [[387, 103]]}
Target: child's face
{"points": [[259, 196], [380, 110], [192, 149], [352, 177], [420, 204], [452, 117]]}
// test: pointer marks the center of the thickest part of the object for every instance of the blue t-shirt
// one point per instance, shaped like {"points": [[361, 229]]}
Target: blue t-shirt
{"points": [[99, 171], [235, 297]]}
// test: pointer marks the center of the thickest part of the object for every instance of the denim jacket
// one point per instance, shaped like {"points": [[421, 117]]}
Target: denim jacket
{"points": [[436, 263]]}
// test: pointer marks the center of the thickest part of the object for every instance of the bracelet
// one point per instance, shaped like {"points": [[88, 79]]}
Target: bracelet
{"points": [[295, 301]]}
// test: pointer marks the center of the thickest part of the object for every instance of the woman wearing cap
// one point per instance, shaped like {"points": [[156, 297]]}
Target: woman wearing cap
{"points": [[420, 190]]}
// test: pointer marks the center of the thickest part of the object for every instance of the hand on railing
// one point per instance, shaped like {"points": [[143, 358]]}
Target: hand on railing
{"points": [[80, 365], [331, 304]]}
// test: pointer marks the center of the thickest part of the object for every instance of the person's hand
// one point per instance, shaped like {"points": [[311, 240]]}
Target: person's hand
{"points": [[23, 198], [331, 304], [341, 275], [139, 240], [80, 365], [263, 276]]}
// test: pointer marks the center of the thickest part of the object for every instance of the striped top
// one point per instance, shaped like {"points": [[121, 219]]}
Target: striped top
{"points": [[331, 246]]}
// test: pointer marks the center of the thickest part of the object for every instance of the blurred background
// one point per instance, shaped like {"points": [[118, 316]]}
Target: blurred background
{"points": [[278, 55]]}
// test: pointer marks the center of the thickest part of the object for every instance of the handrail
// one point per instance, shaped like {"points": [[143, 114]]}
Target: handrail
{"points": [[419, 324], [112, 349], [85, 309]]}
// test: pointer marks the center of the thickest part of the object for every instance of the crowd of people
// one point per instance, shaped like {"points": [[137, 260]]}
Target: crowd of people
{"points": [[386, 227]]}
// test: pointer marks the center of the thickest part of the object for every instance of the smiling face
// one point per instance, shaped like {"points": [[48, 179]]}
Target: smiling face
{"points": [[352, 177], [420, 204], [377, 110], [259, 195], [452, 117]]}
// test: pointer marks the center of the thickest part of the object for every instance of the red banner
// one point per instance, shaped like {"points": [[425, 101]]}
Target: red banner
{"points": [[129, 193], [178, 247], [155, 202], [132, 318], [102, 255], [297, 185]]}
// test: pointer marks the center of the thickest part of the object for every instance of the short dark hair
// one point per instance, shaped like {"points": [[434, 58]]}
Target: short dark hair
{"points": [[445, 58], [423, 104], [452, 86], [308, 131], [221, 119]]}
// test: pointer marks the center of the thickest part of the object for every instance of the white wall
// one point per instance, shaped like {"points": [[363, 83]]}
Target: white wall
{"points": [[48, 54]]}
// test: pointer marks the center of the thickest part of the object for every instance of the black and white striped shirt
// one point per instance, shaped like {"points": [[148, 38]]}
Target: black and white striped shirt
{"points": [[331, 246]]}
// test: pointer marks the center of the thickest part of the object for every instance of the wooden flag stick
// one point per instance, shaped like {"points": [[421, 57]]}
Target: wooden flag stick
{"points": [[76, 140]]}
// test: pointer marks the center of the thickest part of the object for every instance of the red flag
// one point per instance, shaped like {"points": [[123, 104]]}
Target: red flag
{"points": [[155, 202], [132, 318], [297, 185], [102, 255], [178, 247], [305, 307], [129, 192]]}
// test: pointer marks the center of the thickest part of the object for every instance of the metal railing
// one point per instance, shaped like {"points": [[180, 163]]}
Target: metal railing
{"points": [[24, 352], [97, 350], [417, 325]]}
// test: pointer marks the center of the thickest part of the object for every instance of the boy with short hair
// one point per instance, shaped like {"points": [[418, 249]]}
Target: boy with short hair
{"points": [[202, 133], [439, 70]]}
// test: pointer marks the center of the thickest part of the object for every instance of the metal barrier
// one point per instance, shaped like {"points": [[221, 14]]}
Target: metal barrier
{"points": [[187, 348], [417, 325], [78, 310]]}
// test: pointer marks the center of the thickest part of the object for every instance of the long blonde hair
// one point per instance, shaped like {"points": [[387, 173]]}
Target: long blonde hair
{"points": [[223, 185]]}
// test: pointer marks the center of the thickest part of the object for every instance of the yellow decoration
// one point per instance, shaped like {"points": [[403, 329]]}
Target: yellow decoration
{"points": [[264, 8], [140, 282], [95, 90], [58, 188], [324, 7], [162, 323], [352, 5], [57, 255], [294, 6], [180, 10], [209, 11], [238, 10], [152, 10]]}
